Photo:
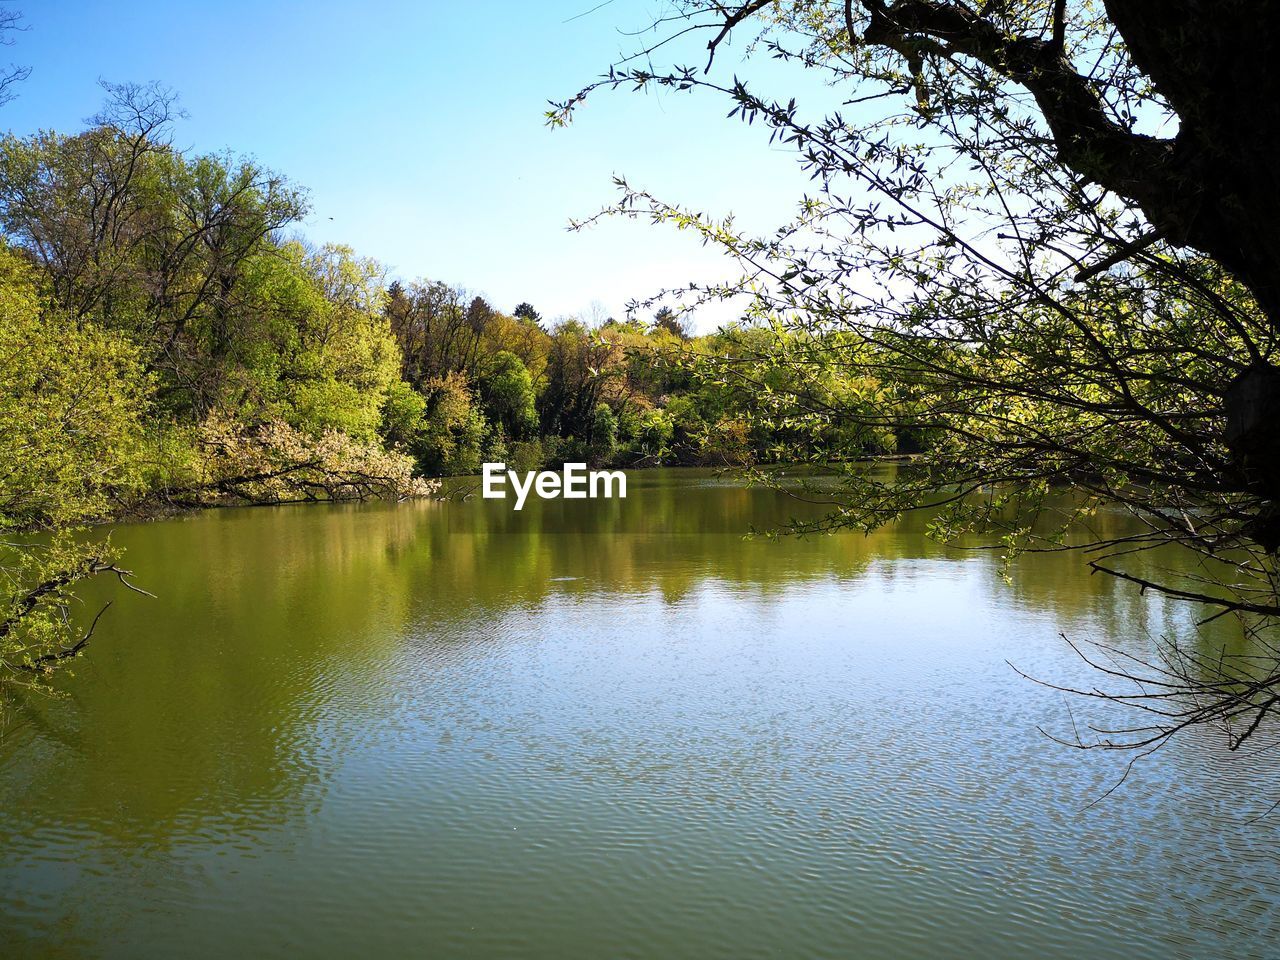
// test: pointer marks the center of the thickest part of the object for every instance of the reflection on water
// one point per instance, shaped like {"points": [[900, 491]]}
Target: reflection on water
{"points": [[606, 728]]}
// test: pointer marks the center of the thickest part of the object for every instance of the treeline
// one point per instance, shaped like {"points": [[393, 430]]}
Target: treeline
{"points": [[485, 386]]}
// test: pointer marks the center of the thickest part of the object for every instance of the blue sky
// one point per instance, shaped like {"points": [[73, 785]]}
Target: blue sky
{"points": [[418, 128]]}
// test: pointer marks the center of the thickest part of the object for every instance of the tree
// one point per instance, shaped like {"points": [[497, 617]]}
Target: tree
{"points": [[604, 434], [72, 402], [578, 368], [596, 315], [507, 392], [479, 315], [524, 311], [454, 429], [528, 342], [10, 21], [272, 462], [1048, 233], [666, 319], [137, 237], [439, 330]]}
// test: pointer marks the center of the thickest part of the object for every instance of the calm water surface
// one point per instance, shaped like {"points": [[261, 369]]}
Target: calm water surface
{"points": [[607, 729]]}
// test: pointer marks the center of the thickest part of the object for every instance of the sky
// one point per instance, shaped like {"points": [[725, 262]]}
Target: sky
{"points": [[418, 130]]}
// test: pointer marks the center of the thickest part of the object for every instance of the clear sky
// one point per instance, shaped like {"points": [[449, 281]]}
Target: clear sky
{"points": [[418, 129]]}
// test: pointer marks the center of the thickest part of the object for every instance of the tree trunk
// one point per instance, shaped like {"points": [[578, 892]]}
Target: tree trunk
{"points": [[1216, 64]]}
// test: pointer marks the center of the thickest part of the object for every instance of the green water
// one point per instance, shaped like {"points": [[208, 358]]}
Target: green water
{"points": [[607, 729]]}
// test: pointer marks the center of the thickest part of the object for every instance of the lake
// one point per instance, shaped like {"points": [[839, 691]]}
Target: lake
{"points": [[609, 728]]}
